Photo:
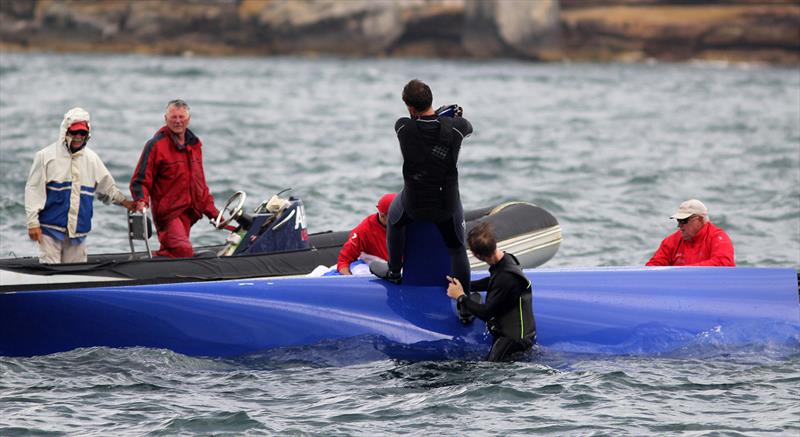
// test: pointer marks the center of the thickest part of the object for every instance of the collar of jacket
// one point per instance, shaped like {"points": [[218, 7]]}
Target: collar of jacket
{"points": [[701, 234], [191, 138], [499, 265]]}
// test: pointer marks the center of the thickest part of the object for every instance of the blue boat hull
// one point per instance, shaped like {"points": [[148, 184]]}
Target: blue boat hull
{"points": [[574, 308]]}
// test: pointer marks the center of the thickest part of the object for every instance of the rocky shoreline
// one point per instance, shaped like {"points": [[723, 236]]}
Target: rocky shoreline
{"points": [[538, 30]]}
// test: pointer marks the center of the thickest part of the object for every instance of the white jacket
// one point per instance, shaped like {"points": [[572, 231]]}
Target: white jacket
{"points": [[62, 184]]}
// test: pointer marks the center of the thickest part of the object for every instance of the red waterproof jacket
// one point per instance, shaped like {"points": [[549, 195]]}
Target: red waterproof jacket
{"points": [[710, 247], [170, 178], [368, 237]]}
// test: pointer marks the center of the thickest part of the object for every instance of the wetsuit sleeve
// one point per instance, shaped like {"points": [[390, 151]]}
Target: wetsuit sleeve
{"points": [[35, 191], [462, 126], [143, 175], [400, 124], [480, 284], [402, 130], [502, 295], [663, 255], [721, 252]]}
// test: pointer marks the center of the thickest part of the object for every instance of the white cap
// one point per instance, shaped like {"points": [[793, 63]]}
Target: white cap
{"points": [[689, 208]]}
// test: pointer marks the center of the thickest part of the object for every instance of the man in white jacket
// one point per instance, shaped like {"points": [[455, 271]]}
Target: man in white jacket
{"points": [[63, 181]]}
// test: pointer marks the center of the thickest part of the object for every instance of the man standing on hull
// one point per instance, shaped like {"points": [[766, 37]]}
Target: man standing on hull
{"points": [[430, 145], [170, 178]]}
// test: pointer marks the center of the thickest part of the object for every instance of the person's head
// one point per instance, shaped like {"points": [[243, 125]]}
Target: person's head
{"points": [[482, 242], [691, 216], [177, 116], [77, 134], [417, 96], [75, 129], [383, 206]]}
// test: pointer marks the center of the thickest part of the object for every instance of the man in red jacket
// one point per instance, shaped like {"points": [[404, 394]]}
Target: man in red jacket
{"points": [[170, 179], [697, 242], [368, 237]]}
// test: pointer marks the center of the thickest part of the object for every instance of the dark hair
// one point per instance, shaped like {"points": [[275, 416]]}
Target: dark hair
{"points": [[417, 95], [481, 240]]}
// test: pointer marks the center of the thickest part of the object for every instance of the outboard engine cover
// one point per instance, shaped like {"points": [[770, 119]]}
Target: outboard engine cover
{"points": [[283, 232]]}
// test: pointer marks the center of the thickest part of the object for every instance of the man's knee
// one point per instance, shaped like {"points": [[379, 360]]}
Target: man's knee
{"points": [[184, 251], [174, 239], [176, 251]]}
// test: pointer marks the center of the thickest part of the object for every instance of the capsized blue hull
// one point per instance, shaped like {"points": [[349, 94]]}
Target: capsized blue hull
{"points": [[595, 310]]}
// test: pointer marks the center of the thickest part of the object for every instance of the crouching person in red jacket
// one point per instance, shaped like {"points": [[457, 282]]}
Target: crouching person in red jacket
{"points": [[369, 237], [170, 179], [697, 242]]}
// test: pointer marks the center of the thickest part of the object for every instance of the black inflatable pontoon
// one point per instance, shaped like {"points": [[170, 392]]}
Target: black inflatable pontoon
{"points": [[526, 230]]}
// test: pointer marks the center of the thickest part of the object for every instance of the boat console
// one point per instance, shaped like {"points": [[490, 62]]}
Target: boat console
{"points": [[276, 225]]}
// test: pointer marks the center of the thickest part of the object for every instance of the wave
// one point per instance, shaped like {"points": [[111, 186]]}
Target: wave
{"points": [[769, 338]]}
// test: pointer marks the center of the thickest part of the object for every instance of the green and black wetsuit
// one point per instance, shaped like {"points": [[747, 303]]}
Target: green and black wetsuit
{"points": [[508, 311]]}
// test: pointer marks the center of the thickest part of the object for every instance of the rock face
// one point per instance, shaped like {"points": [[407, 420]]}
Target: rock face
{"points": [[742, 30], [353, 27], [511, 27]]}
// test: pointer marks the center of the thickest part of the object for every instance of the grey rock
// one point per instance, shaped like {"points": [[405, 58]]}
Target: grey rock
{"points": [[511, 27]]}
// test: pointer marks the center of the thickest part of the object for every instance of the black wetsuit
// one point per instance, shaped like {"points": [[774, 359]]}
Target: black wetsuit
{"points": [[430, 146], [508, 311]]}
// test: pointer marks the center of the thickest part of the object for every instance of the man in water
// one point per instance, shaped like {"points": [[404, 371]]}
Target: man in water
{"points": [[369, 237], [63, 181], [170, 179], [508, 311], [430, 145], [697, 242]]}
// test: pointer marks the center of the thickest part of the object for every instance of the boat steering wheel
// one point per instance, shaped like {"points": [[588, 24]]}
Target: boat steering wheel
{"points": [[234, 212]]}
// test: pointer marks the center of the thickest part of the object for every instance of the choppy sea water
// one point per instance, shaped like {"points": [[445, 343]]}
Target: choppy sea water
{"points": [[610, 150]]}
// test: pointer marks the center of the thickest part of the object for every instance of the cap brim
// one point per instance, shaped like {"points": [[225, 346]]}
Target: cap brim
{"points": [[681, 215]]}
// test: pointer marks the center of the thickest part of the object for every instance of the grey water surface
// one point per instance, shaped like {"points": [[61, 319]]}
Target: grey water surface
{"points": [[609, 149]]}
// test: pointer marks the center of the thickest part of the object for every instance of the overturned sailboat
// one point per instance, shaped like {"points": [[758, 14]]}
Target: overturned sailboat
{"points": [[588, 310]]}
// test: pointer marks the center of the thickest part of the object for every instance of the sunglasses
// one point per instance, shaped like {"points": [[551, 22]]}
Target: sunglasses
{"points": [[685, 220], [78, 132]]}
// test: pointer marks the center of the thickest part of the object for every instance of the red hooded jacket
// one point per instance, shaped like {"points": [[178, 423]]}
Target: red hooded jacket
{"points": [[710, 247], [368, 237], [171, 179]]}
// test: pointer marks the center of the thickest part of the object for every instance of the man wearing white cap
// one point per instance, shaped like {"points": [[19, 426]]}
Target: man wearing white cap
{"points": [[64, 179], [697, 242]]}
